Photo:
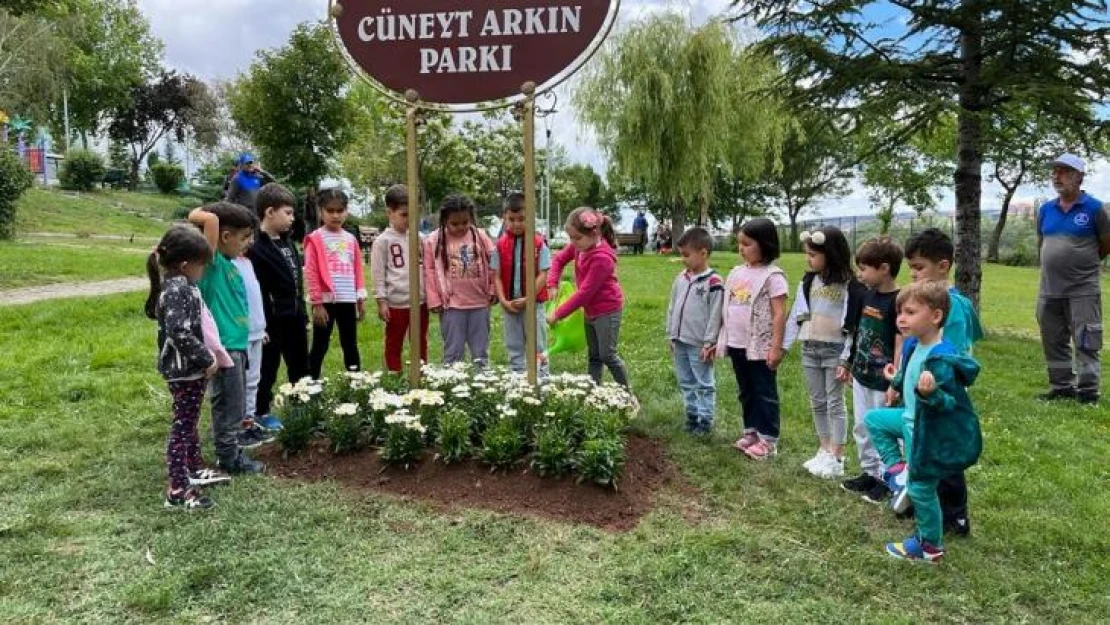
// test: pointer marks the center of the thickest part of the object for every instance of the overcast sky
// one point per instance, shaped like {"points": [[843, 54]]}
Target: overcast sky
{"points": [[216, 39]]}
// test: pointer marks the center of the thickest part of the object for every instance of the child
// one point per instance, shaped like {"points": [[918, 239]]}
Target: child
{"points": [[821, 320], [228, 229], [507, 264], [174, 266], [937, 425], [277, 266], [390, 272], [930, 255], [875, 344], [253, 434], [593, 249], [693, 323], [336, 284], [459, 282], [752, 326]]}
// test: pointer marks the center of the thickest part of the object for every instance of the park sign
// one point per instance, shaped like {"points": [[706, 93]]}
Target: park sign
{"points": [[462, 53]]}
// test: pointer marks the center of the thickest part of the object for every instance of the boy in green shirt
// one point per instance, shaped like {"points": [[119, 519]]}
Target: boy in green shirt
{"points": [[228, 229]]}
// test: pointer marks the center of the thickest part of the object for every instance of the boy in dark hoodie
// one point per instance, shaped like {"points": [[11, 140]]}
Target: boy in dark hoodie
{"points": [[937, 423], [278, 267]]}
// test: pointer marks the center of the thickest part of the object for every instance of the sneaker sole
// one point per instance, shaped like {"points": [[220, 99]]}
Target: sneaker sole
{"points": [[903, 558], [878, 502], [210, 482], [169, 506], [254, 445]]}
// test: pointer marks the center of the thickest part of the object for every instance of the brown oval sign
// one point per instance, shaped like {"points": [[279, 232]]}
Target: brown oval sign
{"points": [[460, 52]]}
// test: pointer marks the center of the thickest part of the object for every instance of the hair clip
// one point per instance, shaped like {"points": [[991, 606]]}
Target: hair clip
{"points": [[816, 237], [590, 219]]}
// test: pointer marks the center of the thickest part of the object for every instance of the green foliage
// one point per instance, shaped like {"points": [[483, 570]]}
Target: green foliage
{"points": [[14, 180], [454, 436], [32, 64], [299, 426], [291, 105], [168, 178], [553, 455], [600, 460], [82, 170], [502, 444], [403, 445], [344, 429]]}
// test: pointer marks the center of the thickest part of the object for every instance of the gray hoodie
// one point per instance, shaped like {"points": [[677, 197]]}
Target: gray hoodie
{"points": [[694, 311]]}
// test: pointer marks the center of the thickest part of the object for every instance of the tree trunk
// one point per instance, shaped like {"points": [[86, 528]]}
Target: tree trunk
{"points": [[793, 232], [703, 215], [969, 166], [996, 236], [678, 221]]}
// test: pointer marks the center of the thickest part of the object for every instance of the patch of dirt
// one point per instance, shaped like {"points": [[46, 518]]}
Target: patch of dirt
{"points": [[471, 485], [31, 294]]}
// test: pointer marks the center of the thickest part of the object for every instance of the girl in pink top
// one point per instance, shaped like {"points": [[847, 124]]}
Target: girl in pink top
{"points": [[459, 282], [593, 249], [336, 283], [752, 328]]}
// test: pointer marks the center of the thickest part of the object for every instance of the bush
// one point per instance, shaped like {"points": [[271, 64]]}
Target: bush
{"points": [[81, 171], [502, 444], [167, 177], [554, 451], [344, 429], [404, 439], [454, 436], [14, 180], [600, 460]]}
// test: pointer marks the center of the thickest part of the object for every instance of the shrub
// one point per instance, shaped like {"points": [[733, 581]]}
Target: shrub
{"points": [[454, 436], [167, 177], [14, 180], [344, 429], [502, 443], [404, 439], [600, 460], [302, 408], [298, 426], [554, 451], [81, 171]]}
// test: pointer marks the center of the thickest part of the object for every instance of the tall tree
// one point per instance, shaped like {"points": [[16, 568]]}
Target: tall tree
{"points": [[291, 105], [671, 104], [924, 57], [31, 62], [154, 110], [905, 174]]}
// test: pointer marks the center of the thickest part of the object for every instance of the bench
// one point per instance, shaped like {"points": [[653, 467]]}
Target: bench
{"points": [[636, 240], [115, 178]]}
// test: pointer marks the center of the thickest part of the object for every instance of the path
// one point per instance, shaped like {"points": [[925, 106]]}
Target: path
{"points": [[29, 295]]}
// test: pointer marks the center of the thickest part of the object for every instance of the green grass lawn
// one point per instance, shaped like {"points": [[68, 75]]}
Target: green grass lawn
{"points": [[99, 212], [83, 419], [37, 261]]}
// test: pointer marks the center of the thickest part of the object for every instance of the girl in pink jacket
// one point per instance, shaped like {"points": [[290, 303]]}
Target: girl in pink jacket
{"points": [[336, 283], [593, 249]]}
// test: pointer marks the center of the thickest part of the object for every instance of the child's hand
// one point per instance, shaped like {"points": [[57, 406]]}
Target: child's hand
{"points": [[552, 293], [551, 320], [774, 358], [842, 374], [708, 353], [212, 369], [360, 309], [319, 315], [892, 397], [383, 310], [519, 304], [436, 309], [889, 371], [926, 384]]}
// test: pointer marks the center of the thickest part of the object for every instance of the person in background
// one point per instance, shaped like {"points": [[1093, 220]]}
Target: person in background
{"points": [[245, 184], [640, 227]]}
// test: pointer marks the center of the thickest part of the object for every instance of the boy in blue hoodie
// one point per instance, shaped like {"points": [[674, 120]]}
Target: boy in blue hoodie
{"points": [[937, 425]]}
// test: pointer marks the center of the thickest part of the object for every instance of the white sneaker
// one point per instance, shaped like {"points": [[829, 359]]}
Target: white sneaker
{"points": [[816, 460], [831, 469]]}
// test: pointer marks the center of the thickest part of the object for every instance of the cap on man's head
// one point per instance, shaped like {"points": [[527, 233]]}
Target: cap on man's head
{"points": [[1071, 161], [246, 158]]}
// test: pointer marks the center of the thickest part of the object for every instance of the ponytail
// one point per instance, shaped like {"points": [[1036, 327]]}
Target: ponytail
{"points": [[608, 232], [155, 275]]}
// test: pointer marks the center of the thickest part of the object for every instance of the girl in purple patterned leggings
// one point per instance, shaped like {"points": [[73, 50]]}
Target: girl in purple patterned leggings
{"points": [[185, 360]]}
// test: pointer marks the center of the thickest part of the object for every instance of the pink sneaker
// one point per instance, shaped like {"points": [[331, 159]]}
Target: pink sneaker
{"points": [[746, 441], [761, 450]]}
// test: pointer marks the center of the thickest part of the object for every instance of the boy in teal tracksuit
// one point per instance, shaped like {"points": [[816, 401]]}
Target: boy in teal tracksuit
{"points": [[937, 424]]}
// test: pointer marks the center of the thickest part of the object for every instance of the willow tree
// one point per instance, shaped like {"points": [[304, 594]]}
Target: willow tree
{"points": [[675, 107]]}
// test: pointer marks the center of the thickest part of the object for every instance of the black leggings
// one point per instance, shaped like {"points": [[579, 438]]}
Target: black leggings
{"points": [[346, 316], [288, 340]]}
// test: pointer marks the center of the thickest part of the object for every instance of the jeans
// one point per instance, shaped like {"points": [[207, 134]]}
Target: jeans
{"points": [[462, 329], [826, 393], [1066, 322], [602, 335], [759, 394], [228, 388], [346, 317], [288, 341], [512, 330], [699, 389], [888, 426], [863, 400]]}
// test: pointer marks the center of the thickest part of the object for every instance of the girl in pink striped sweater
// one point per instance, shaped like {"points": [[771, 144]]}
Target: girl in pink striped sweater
{"points": [[593, 249]]}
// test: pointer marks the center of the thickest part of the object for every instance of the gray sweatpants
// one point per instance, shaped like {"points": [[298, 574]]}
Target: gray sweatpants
{"points": [[602, 336], [462, 329], [1066, 322], [826, 393], [228, 391], [254, 374], [863, 400], [512, 329]]}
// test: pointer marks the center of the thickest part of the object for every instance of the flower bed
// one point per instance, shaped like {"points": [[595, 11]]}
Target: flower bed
{"points": [[567, 425]]}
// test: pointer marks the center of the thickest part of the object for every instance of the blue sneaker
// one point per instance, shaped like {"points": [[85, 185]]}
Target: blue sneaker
{"points": [[913, 548], [896, 481], [270, 422]]}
